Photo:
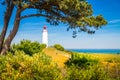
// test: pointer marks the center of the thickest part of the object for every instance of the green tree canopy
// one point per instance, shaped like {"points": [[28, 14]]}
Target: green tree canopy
{"points": [[77, 14]]}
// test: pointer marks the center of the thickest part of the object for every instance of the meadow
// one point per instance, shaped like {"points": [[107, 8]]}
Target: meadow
{"points": [[111, 63]]}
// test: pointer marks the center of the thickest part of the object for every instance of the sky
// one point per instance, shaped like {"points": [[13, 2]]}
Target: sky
{"points": [[107, 37]]}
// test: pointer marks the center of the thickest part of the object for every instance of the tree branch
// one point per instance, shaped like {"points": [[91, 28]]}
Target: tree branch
{"points": [[7, 2], [35, 15]]}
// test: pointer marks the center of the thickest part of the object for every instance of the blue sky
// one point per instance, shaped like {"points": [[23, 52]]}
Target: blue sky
{"points": [[108, 37]]}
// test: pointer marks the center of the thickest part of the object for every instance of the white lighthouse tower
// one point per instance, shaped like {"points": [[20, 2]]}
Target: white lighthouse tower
{"points": [[45, 36]]}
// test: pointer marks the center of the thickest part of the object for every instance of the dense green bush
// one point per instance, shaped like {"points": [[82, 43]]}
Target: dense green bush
{"points": [[81, 60], [95, 72], [43, 46], [83, 67], [59, 47], [28, 47], [24, 67]]}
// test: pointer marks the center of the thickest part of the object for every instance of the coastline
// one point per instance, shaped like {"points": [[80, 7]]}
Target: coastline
{"points": [[96, 51]]}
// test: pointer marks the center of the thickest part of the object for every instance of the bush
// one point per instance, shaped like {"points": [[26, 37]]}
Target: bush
{"points": [[43, 46], [81, 60], [28, 47], [59, 47], [83, 67], [24, 67], [92, 73]]}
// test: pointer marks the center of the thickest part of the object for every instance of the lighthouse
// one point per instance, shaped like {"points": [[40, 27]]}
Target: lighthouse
{"points": [[45, 36]]}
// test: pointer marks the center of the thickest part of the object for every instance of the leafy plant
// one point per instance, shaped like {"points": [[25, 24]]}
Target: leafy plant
{"points": [[81, 60], [43, 46], [24, 67], [59, 47], [92, 73], [28, 47]]}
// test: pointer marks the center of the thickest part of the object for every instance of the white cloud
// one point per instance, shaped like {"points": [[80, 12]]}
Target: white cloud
{"points": [[115, 21]]}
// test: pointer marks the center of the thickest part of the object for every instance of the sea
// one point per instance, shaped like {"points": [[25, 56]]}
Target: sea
{"points": [[103, 51]]}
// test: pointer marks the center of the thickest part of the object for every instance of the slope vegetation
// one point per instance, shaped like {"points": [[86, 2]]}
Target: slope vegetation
{"points": [[59, 57]]}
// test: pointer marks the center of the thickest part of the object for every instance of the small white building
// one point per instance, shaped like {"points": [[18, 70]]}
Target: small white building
{"points": [[45, 36]]}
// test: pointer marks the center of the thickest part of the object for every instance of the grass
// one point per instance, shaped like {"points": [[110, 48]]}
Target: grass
{"points": [[111, 62], [59, 57], [107, 57]]}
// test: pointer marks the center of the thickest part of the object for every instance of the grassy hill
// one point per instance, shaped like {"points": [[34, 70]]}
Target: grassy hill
{"points": [[59, 57], [111, 62]]}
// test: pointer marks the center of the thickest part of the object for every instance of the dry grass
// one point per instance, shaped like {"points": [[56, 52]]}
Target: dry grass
{"points": [[111, 62], [107, 57], [59, 57]]}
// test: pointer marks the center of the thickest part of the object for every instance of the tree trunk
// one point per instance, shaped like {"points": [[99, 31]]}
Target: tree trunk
{"points": [[8, 13], [12, 33]]}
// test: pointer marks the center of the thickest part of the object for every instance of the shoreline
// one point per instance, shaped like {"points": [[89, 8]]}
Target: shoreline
{"points": [[96, 51]]}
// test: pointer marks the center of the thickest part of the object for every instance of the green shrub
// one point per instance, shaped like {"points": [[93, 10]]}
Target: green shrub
{"points": [[81, 60], [59, 47], [43, 46], [83, 67], [92, 73], [24, 67], [28, 47]]}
